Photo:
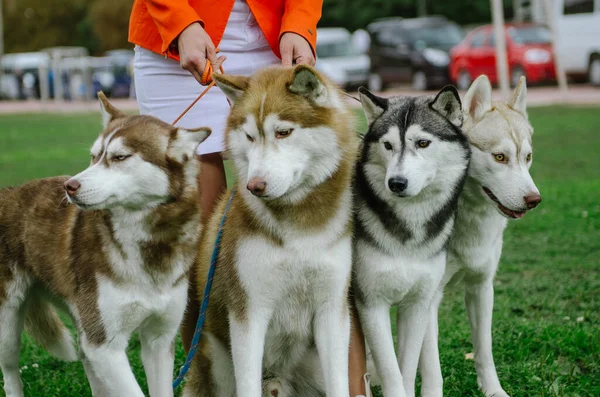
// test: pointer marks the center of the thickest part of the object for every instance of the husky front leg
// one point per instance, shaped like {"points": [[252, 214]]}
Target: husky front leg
{"points": [[247, 349], [432, 382], [378, 332], [158, 359], [12, 318], [479, 299], [332, 337], [157, 338], [111, 368], [95, 384], [412, 322]]}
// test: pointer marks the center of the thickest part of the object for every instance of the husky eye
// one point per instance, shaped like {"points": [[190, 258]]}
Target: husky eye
{"points": [[500, 157], [283, 133], [120, 157], [423, 143], [387, 145], [528, 158], [248, 137]]}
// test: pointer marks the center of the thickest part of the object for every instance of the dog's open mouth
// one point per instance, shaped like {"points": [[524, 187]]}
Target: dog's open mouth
{"points": [[506, 211]]}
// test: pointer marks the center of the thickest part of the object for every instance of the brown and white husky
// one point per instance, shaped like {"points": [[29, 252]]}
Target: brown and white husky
{"points": [[112, 246], [280, 288]]}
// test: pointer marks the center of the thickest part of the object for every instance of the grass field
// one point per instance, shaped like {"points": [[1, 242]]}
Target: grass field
{"points": [[547, 312]]}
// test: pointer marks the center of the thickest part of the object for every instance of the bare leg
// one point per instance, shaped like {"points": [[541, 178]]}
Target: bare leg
{"points": [[211, 185], [357, 359]]}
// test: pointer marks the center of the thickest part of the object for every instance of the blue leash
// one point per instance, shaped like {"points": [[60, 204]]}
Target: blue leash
{"points": [[204, 307]]}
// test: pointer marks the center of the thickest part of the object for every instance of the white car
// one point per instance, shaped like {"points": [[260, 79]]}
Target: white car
{"points": [[339, 58], [578, 37]]}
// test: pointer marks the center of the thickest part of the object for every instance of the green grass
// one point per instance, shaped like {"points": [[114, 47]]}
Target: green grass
{"points": [[548, 279]]}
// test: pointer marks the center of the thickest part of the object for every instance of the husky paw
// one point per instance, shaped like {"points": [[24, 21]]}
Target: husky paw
{"points": [[496, 393], [432, 392]]}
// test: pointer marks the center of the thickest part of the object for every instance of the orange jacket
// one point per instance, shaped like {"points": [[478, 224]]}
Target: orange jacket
{"points": [[155, 24]]}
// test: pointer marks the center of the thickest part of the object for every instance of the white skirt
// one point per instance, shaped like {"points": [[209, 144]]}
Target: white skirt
{"points": [[163, 89]]}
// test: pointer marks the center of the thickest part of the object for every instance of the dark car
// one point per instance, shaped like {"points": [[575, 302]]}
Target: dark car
{"points": [[411, 50]]}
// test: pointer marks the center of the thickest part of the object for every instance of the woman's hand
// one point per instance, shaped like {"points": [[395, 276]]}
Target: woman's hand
{"points": [[195, 47], [295, 48]]}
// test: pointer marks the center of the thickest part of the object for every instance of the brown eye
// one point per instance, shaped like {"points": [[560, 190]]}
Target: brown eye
{"points": [[500, 157], [283, 133], [248, 137], [387, 146], [423, 143], [528, 158]]}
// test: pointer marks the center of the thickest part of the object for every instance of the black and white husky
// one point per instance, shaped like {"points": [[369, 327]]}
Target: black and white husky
{"points": [[410, 174]]}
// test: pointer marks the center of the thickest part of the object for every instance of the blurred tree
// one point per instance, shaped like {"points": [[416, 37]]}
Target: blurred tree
{"points": [[354, 14], [31, 25], [110, 22], [98, 25]]}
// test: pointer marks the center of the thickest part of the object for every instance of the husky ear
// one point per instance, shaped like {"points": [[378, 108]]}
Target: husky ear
{"points": [[307, 83], [232, 86], [478, 99], [372, 105], [519, 99], [109, 112], [447, 103], [183, 142]]}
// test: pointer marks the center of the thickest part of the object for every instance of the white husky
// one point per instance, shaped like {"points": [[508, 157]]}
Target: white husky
{"points": [[498, 187]]}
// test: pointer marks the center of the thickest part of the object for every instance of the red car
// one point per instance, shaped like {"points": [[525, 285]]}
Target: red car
{"points": [[529, 52]]}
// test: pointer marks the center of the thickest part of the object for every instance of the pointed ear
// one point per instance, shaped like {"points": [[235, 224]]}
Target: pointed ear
{"points": [[447, 103], [478, 99], [372, 105], [519, 99], [232, 86], [183, 142], [109, 112], [305, 82]]}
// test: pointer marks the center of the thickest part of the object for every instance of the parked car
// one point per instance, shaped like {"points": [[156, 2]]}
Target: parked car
{"points": [[411, 50], [339, 59], [578, 38], [114, 77], [528, 49]]}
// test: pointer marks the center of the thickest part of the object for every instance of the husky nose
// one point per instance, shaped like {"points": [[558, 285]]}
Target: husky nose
{"points": [[257, 186], [71, 186], [532, 200], [398, 184]]}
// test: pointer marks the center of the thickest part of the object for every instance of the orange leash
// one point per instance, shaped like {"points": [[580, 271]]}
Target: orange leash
{"points": [[206, 81]]}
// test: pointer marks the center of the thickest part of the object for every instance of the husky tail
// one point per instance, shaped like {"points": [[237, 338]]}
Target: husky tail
{"points": [[45, 326]]}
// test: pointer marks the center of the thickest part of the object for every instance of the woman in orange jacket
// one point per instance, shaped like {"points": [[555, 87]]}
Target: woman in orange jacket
{"points": [[174, 39]]}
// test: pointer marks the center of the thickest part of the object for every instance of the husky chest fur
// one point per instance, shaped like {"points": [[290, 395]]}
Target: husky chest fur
{"points": [[114, 252], [279, 292], [411, 171]]}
